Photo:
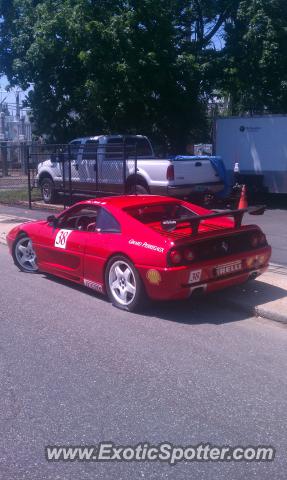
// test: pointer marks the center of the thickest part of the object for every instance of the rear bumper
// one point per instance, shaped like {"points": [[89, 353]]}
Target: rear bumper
{"points": [[200, 188], [180, 282]]}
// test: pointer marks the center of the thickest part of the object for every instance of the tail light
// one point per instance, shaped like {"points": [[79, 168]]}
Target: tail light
{"points": [[175, 257], [188, 254], [257, 239], [262, 240], [254, 240], [181, 256], [170, 173]]}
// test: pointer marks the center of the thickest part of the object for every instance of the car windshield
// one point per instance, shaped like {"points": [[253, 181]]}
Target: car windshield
{"points": [[157, 213]]}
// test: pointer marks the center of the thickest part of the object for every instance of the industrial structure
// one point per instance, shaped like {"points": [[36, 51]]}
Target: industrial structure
{"points": [[15, 134], [15, 125]]}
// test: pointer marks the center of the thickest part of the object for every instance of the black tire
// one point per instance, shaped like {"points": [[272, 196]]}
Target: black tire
{"points": [[138, 189], [48, 190], [133, 302], [25, 266]]}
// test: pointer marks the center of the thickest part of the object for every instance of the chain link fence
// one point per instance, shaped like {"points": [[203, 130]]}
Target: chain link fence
{"points": [[13, 172], [63, 174]]}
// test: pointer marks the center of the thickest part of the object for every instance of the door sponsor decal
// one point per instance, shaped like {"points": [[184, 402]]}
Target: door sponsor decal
{"points": [[93, 285], [146, 245], [195, 276], [61, 238]]}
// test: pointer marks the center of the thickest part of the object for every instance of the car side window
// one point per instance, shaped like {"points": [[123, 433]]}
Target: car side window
{"points": [[114, 149], [137, 146], [143, 148], [106, 222], [74, 148], [90, 150], [83, 218]]}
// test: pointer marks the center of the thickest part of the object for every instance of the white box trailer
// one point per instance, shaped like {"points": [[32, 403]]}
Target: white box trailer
{"points": [[259, 145]]}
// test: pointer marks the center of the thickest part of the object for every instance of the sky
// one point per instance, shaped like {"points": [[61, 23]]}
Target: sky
{"points": [[10, 95]]}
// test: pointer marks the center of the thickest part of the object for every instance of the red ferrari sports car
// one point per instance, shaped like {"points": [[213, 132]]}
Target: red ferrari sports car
{"points": [[134, 247]]}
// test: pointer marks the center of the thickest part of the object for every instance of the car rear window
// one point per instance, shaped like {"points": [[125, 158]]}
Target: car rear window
{"points": [[156, 213], [138, 146], [106, 222]]}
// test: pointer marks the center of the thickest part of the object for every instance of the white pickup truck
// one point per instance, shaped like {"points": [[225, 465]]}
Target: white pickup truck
{"points": [[107, 164]]}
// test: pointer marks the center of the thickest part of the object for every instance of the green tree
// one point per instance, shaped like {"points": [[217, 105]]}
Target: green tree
{"points": [[255, 57], [114, 66]]}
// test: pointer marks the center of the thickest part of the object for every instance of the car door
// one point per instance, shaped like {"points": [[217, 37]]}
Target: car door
{"points": [[80, 174], [73, 154], [75, 157], [90, 164], [62, 243], [111, 165], [102, 241]]}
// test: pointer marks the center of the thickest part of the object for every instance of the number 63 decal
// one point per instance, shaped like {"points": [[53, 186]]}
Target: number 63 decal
{"points": [[61, 238]]}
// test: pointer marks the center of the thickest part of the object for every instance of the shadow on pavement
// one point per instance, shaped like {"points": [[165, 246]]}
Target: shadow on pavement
{"points": [[252, 293], [244, 298], [237, 303]]}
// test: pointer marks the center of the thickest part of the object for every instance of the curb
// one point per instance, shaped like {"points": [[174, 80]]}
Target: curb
{"points": [[36, 205], [258, 311]]}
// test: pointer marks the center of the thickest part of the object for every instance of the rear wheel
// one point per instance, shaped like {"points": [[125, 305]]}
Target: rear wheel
{"points": [[138, 189], [48, 190], [124, 285], [24, 255]]}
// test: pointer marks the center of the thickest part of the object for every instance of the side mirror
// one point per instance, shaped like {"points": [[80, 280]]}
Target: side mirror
{"points": [[52, 221]]}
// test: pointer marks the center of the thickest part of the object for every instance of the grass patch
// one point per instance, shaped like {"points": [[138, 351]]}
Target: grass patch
{"points": [[13, 196]]}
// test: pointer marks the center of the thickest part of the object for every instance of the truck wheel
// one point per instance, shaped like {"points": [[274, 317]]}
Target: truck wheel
{"points": [[48, 190], [138, 189]]}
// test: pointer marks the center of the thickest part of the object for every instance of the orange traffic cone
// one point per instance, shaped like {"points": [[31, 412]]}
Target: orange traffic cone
{"points": [[243, 198]]}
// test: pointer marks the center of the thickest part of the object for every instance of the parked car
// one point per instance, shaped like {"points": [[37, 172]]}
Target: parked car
{"points": [[137, 247], [127, 164]]}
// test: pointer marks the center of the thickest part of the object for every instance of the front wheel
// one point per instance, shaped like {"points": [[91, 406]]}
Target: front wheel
{"points": [[24, 255], [124, 285], [48, 190]]}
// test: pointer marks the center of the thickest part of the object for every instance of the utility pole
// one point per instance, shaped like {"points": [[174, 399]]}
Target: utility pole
{"points": [[2, 126], [22, 139], [17, 105], [3, 149]]}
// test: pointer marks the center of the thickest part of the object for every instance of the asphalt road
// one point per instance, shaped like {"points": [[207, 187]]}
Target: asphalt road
{"points": [[74, 370], [24, 212], [273, 223]]}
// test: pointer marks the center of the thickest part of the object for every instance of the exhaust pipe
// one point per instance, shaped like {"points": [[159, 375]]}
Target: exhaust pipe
{"points": [[253, 275], [197, 291]]}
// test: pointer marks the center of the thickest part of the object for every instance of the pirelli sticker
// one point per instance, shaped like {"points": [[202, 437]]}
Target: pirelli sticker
{"points": [[228, 268]]}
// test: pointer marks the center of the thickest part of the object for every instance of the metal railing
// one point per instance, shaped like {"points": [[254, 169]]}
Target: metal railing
{"points": [[63, 173]]}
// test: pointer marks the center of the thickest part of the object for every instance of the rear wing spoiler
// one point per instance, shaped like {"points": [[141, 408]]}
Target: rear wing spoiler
{"points": [[170, 225]]}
